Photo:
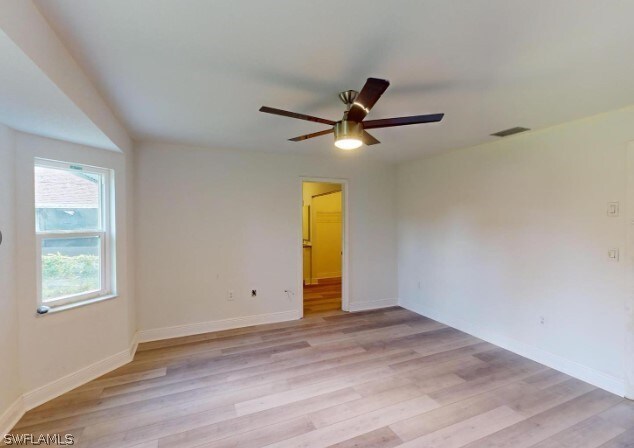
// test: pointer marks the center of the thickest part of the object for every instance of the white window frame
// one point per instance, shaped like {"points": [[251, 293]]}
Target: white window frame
{"points": [[105, 236]]}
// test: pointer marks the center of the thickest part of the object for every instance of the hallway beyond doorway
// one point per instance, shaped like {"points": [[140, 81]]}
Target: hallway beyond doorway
{"points": [[322, 230], [324, 296]]}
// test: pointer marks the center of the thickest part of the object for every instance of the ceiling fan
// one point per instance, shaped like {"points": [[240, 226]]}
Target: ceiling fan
{"points": [[350, 132]]}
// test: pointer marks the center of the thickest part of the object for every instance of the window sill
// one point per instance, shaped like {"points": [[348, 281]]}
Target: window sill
{"points": [[70, 306]]}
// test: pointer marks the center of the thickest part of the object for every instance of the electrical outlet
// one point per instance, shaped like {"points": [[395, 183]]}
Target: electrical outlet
{"points": [[230, 295], [254, 293], [542, 320]]}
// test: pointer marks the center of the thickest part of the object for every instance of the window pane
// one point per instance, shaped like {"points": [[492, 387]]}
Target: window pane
{"points": [[70, 266], [67, 200]]}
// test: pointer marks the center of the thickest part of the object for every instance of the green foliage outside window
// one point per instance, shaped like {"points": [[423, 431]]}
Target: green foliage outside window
{"points": [[64, 275]]}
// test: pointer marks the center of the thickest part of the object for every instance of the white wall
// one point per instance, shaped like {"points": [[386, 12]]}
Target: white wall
{"points": [[54, 345], [213, 220], [9, 369], [499, 235], [28, 29]]}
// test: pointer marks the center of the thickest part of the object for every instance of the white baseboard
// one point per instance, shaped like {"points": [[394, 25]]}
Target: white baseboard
{"points": [[326, 276], [373, 305], [69, 382], [11, 416], [178, 331], [572, 368], [54, 389]]}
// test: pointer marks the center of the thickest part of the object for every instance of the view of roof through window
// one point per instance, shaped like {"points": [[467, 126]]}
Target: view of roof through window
{"points": [[66, 200], [56, 188]]}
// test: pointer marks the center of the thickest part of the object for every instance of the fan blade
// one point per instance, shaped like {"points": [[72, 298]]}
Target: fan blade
{"points": [[314, 134], [284, 113], [367, 98], [402, 121], [368, 139]]}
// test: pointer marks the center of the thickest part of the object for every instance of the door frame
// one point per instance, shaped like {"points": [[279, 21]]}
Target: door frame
{"points": [[345, 246], [629, 256]]}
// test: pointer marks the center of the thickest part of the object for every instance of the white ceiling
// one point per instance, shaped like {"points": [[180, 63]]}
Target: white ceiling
{"points": [[196, 71], [31, 102]]}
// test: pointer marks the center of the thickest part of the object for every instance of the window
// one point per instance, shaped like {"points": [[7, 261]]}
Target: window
{"points": [[73, 232]]}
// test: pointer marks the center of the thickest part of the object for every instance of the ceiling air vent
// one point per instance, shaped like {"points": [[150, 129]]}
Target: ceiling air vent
{"points": [[510, 131]]}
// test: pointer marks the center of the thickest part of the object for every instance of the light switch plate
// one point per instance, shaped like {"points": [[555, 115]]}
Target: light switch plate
{"points": [[613, 254], [613, 209]]}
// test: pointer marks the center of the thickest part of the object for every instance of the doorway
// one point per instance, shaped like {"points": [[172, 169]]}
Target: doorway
{"points": [[322, 247]]}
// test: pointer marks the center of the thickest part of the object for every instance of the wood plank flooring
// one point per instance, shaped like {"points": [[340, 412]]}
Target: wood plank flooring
{"points": [[325, 296], [385, 378]]}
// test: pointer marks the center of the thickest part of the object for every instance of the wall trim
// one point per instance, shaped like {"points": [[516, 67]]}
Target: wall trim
{"points": [[628, 353], [327, 276], [178, 331], [373, 305], [60, 386], [54, 389], [134, 345], [69, 382], [11, 416], [584, 373]]}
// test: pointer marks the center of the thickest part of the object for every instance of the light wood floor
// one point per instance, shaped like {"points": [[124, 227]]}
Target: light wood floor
{"points": [[325, 296], [375, 379]]}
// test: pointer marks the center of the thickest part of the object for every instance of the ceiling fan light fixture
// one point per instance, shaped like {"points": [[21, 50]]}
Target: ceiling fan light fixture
{"points": [[348, 135], [351, 132], [348, 144]]}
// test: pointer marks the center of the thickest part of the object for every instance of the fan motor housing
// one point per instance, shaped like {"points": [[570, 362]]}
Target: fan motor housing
{"points": [[348, 129]]}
